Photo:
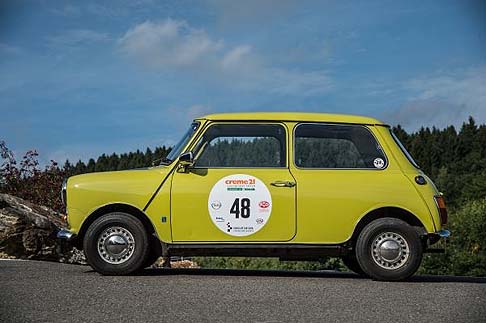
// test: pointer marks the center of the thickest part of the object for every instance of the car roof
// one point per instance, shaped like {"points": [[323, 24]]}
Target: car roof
{"points": [[293, 116]]}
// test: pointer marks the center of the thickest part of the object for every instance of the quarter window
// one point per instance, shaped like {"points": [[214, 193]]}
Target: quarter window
{"points": [[242, 145], [337, 146]]}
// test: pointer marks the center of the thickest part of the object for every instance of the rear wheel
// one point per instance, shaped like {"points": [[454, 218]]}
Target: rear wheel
{"points": [[116, 244], [389, 249]]}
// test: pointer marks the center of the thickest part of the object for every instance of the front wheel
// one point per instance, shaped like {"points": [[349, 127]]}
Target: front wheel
{"points": [[352, 264], [116, 244], [389, 249]]}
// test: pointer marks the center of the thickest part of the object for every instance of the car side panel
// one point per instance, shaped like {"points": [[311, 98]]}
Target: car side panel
{"points": [[89, 192], [426, 192], [330, 202]]}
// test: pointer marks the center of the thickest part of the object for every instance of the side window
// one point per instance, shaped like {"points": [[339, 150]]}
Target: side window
{"points": [[242, 145], [337, 146]]}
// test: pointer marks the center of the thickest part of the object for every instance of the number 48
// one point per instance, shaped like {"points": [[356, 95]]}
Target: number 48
{"points": [[242, 208]]}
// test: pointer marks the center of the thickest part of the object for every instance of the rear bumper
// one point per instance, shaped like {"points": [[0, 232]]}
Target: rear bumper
{"points": [[438, 238], [66, 240], [444, 233]]}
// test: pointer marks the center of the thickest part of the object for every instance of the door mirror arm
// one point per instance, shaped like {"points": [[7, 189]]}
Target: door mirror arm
{"points": [[186, 160]]}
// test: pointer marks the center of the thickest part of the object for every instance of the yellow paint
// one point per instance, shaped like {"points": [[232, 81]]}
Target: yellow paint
{"points": [[190, 216], [88, 192], [324, 207], [294, 116]]}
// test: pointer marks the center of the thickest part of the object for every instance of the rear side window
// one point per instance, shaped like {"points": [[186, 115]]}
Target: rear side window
{"points": [[242, 145], [404, 150], [337, 146]]}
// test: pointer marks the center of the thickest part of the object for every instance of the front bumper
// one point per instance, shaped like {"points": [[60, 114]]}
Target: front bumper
{"points": [[66, 240]]}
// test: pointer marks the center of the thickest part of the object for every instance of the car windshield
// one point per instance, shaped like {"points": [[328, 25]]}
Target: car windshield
{"points": [[177, 149]]}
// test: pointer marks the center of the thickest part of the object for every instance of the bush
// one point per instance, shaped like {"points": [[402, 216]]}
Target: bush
{"points": [[466, 249], [26, 180], [268, 263]]}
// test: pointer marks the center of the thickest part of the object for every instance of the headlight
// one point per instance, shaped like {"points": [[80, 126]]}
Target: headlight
{"points": [[63, 191]]}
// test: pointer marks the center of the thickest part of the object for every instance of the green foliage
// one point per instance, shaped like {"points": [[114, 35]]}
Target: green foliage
{"points": [[325, 263], [466, 249], [456, 161]]}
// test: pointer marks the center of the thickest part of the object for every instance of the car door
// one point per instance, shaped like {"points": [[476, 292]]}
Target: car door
{"points": [[239, 187]]}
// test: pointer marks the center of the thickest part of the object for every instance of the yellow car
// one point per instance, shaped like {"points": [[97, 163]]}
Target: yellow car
{"points": [[297, 186]]}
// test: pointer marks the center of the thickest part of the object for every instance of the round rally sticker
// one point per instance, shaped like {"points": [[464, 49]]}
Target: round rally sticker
{"points": [[379, 163], [240, 204]]}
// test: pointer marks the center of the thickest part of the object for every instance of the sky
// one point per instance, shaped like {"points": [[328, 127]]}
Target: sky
{"points": [[82, 78]]}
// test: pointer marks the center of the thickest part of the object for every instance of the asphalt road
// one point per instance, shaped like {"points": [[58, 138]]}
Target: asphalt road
{"points": [[52, 292]]}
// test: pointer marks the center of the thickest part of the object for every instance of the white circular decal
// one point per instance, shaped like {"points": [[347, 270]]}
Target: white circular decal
{"points": [[379, 163], [240, 205]]}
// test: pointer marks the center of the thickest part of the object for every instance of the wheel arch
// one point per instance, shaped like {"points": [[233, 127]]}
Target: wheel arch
{"points": [[114, 207], [387, 212]]}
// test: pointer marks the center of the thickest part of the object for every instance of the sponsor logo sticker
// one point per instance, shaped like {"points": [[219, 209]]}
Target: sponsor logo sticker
{"points": [[264, 204], [216, 205], [240, 205]]}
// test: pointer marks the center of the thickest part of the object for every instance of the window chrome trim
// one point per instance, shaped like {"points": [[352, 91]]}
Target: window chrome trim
{"points": [[336, 168], [241, 122]]}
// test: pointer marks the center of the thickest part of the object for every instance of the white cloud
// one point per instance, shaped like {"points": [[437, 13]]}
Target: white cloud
{"points": [[444, 99], [235, 56], [168, 44], [77, 37], [174, 45]]}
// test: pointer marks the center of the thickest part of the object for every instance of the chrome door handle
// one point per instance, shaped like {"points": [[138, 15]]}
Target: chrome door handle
{"points": [[283, 184]]}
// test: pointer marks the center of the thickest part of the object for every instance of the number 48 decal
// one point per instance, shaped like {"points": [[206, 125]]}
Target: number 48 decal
{"points": [[241, 207]]}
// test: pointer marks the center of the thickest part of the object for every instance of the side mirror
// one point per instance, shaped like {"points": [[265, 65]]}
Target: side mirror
{"points": [[186, 159]]}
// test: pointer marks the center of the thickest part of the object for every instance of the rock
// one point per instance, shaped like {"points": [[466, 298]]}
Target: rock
{"points": [[28, 231], [175, 262]]}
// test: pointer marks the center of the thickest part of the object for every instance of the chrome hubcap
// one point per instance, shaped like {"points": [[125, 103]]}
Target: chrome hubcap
{"points": [[390, 250], [116, 245]]}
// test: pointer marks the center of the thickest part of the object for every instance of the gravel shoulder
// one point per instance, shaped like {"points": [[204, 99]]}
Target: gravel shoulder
{"points": [[34, 291]]}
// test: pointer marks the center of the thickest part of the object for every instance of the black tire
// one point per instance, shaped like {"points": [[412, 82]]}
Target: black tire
{"points": [[124, 226], [151, 259], [155, 251], [352, 264], [389, 249]]}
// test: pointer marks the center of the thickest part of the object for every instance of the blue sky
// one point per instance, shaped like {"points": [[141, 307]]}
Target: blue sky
{"points": [[81, 78]]}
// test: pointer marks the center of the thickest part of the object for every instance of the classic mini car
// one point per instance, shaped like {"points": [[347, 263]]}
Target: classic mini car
{"points": [[298, 186]]}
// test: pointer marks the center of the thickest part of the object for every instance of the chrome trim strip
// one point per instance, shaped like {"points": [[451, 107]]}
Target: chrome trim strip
{"points": [[239, 122]]}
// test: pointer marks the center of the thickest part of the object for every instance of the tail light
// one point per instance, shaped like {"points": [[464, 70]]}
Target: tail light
{"points": [[441, 206]]}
